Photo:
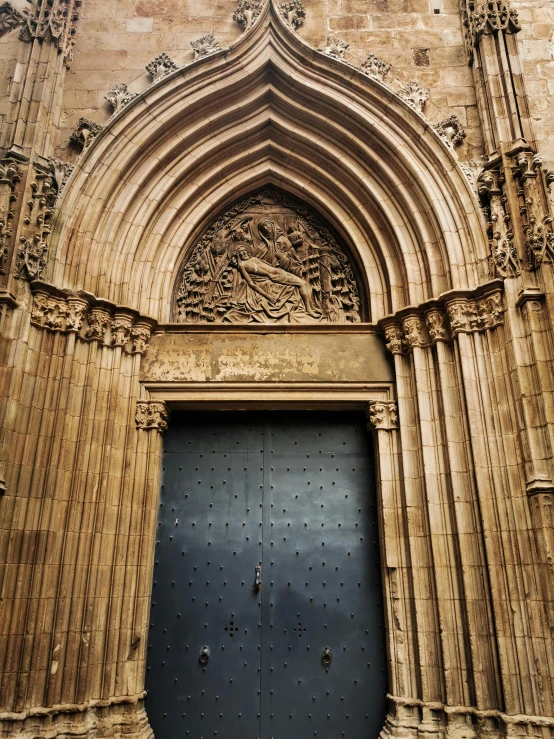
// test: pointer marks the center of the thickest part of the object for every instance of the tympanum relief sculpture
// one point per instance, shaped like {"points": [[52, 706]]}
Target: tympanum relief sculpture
{"points": [[268, 259]]}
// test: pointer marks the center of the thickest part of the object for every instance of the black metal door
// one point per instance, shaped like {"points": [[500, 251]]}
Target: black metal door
{"points": [[303, 654]]}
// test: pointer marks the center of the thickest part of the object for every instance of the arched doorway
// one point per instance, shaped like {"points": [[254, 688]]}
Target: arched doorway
{"points": [[267, 611]]}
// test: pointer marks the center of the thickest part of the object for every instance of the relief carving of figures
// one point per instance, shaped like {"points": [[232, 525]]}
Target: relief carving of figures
{"points": [[31, 258], [268, 260]]}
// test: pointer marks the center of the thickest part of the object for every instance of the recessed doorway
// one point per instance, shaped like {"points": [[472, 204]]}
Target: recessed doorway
{"points": [[267, 613]]}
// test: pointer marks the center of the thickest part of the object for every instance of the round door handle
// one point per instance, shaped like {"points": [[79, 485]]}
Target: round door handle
{"points": [[326, 655], [204, 655]]}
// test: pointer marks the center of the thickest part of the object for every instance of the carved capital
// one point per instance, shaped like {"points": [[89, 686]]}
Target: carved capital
{"points": [[152, 415], [467, 316], [121, 331], [413, 332], [76, 315], [382, 415], [98, 323], [436, 325], [139, 337], [394, 337]]}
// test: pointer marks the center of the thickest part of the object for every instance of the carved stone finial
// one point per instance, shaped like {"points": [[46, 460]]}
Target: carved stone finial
{"points": [[450, 130], [394, 339], [382, 415], [208, 44], [415, 95], [120, 96], [376, 68], [152, 415], [293, 12], [161, 66], [246, 13], [483, 18], [335, 47], [85, 132]]}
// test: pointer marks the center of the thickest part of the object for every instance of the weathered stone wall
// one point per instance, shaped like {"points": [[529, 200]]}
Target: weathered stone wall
{"points": [[537, 54], [117, 38]]}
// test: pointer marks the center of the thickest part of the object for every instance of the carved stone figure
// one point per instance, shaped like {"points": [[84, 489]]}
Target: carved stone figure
{"points": [[267, 260], [31, 258]]}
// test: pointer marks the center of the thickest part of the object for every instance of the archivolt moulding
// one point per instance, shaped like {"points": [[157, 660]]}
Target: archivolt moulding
{"points": [[268, 111]]}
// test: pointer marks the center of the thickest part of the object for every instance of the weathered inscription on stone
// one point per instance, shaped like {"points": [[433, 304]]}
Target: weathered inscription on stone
{"points": [[267, 260]]}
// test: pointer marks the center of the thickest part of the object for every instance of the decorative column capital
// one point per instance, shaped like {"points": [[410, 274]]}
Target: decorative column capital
{"points": [[99, 320], [382, 415], [413, 332], [139, 337], [121, 330], [152, 415], [435, 320], [468, 316], [394, 338]]}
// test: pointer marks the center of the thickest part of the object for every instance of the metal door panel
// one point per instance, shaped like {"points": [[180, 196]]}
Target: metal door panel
{"points": [[325, 590], [208, 542], [295, 492]]}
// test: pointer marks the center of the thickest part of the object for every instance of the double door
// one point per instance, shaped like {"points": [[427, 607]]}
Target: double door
{"points": [[267, 614]]}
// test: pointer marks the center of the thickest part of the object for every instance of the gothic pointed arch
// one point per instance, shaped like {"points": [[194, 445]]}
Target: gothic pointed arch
{"points": [[268, 111]]}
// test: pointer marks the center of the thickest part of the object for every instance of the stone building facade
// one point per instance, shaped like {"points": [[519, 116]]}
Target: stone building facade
{"points": [[347, 204]]}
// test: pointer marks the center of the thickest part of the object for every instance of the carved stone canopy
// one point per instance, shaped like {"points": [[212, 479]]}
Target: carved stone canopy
{"points": [[268, 259]]}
